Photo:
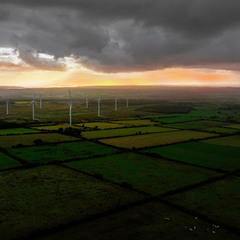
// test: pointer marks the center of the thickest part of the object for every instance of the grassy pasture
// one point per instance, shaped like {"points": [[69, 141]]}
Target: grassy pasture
{"points": [[220, 130], [155, 139], [27, 139], [219, 200], [208, 155], [198, 124], [136, 122], [124, 131], [176, 119], [61, 152], [53, 127], [144, 173], [100, 125], [145, 222], [236, 126], [231, 141], [17, 131], [7, 162], [44, 197]]}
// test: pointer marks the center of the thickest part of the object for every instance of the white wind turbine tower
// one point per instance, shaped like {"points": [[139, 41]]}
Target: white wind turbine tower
{"points": [[87, 102], [127, 102], [40, 101], [116, 104], [8, 105], [33, 103], [70, 108], [99, 107]]}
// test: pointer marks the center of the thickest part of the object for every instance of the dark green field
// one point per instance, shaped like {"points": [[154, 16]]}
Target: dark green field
{"points": [[61, 152], [208, 155], [218, 200], [154, 176], [44, 197], [7, 162]]}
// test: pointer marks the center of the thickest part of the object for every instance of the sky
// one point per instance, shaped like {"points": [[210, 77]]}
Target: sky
{"points": [[114, 42]]}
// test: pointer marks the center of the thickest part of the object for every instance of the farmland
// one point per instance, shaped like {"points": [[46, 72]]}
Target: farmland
{"points": [[219, 200], [143, 173], [231, 141], [7, 162], [12, 131], [158, 220], [134, 122], [28, 139], [155, 139], [34, 190], [197, 124], [61, 152], [100, 125], [124, 132], [166, 166], [208, 155]]}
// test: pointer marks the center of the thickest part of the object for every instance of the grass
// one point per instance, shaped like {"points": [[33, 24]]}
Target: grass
{"points": [[61, 152], [198, 124], [220, 130], [44, 197], [236, 126], [175, 119], [28, 139], [145, 222], [231, 141], [155, 139], [135, 122], [100, 125], [7, 162], [53, 127], [219, 200], [208, 155], [17, 131], [144, 173], [124, 132]]}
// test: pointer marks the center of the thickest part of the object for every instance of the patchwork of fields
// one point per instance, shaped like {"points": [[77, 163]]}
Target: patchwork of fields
{"points": [[126, 179]]}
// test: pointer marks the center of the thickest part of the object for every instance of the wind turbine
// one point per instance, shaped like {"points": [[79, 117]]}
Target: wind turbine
{"points": [[86, 102], [99, 107], [70, 108], [40, 101], [127, 102], [33, 103], [8, 105], [116, 104]]}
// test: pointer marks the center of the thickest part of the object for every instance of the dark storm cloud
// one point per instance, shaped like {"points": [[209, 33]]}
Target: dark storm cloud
{"points": [[117, 35]]}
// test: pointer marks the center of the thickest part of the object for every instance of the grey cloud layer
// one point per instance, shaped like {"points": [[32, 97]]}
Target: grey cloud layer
{"points": [[117, 35]]}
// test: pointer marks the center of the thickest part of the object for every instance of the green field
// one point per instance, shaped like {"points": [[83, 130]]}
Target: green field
{"points": [[231, 141], [17, 131], [99, 125], [28, 139], [197, 124], [236, 126], [208, 155], [7, 162], [219, 200], [44, 197], [155, 139], [176, 119], [54, 127], [144, 222], [220, 130], [61, 152], [124, 132], [147, 174], [136, 122]]}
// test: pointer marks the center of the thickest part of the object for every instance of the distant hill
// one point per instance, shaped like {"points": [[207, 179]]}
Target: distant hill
{"points": [[11, 87]]}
